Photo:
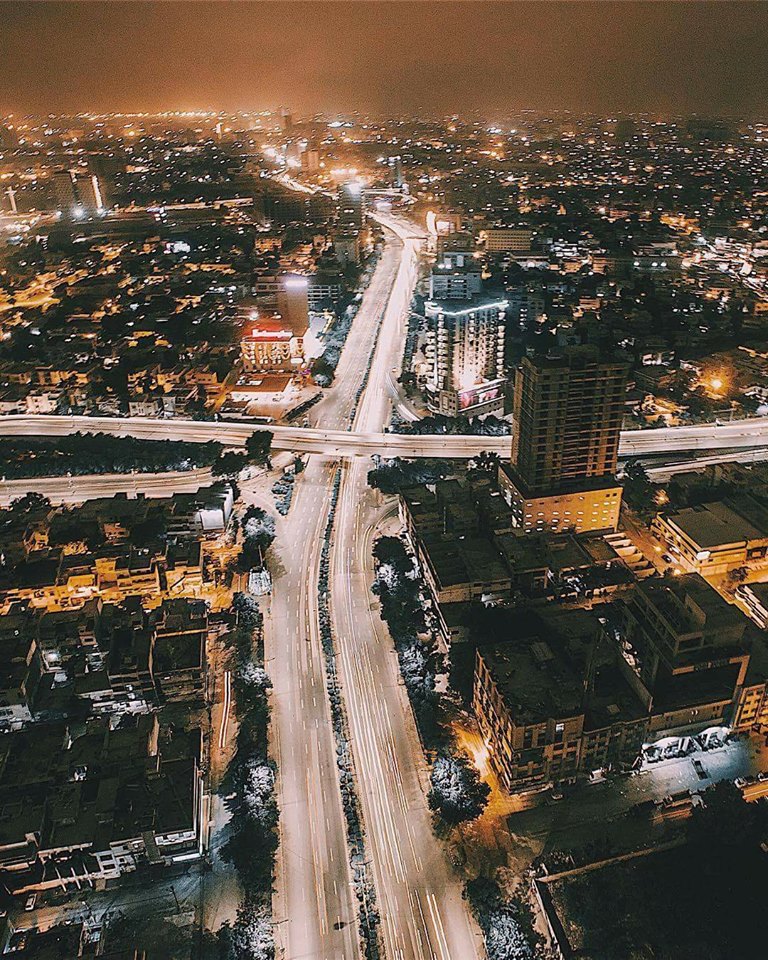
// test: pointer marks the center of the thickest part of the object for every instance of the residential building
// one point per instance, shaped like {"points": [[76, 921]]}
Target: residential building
{"points": [[567, 415], [688, 648], [455, 277], [351, 204], [271, 345], [554, 704], [465, 357], [715, 537]]}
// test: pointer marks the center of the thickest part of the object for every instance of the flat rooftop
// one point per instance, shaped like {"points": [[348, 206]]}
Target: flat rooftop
{"points": [[717, 524], [541, 674], [689, 603]]}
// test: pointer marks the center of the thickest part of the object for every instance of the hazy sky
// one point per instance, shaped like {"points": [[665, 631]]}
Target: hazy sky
{"points": [[440, 57]]}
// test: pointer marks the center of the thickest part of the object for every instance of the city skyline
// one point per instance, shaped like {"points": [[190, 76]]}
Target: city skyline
{"points": [[432, 57]]}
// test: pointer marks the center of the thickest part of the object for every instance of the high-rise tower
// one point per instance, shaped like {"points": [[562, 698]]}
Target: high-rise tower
{"points": [[567, 415]]}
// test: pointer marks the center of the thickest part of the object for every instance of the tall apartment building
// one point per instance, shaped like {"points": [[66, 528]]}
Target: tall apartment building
{"points": [[292, 301], [65, 194], [567, 418], [310, 160], [465, 354], [78, 196]]}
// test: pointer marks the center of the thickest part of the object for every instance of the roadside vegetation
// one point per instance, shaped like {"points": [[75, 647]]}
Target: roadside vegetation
{"points": [[457, 794], [489, 426], [81, 454], [87, 453], [392, 476], [506, 922]]}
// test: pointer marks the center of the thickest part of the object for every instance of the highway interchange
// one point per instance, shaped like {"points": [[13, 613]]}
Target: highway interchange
{"points": [[419, 897]]}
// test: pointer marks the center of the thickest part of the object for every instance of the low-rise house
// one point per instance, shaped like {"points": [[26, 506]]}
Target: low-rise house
{"points": [[98, 803], [715, 537]]}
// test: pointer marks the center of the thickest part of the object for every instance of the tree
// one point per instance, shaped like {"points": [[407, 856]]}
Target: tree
{"points": [[638, 489], [258, 445], [726, 824], [247, 610], [390, 550], [457, 794], [506, 924], [258, 533], [30, 502], [391, 476], [486, 462], [250, 936], [259, 526], [258, 794], [229, 464]]}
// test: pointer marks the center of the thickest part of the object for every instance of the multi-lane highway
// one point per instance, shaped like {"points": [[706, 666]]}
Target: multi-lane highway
{"points": [[315, 907], [76, 489], [706, 436], [419, 897]]}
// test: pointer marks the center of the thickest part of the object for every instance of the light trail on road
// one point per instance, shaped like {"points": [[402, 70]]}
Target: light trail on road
{"points": [[225, 709], [423, 915], [315, 907]]}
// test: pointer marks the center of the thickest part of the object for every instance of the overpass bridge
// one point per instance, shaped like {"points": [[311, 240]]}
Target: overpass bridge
{"points": [[718, 442]]}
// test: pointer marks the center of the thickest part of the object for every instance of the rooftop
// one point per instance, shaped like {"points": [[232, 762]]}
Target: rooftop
{"points": [[690, 604], [543, 675], [716, 524]]}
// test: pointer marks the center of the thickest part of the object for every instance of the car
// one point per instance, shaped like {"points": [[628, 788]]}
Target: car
{"points": [[698, 766], [555, 796], [762, 776], [666, 558], [740, 782], [29, 903]]}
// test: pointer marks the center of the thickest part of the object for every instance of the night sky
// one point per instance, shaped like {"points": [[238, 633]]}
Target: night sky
{"points": [[389, 58]]}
